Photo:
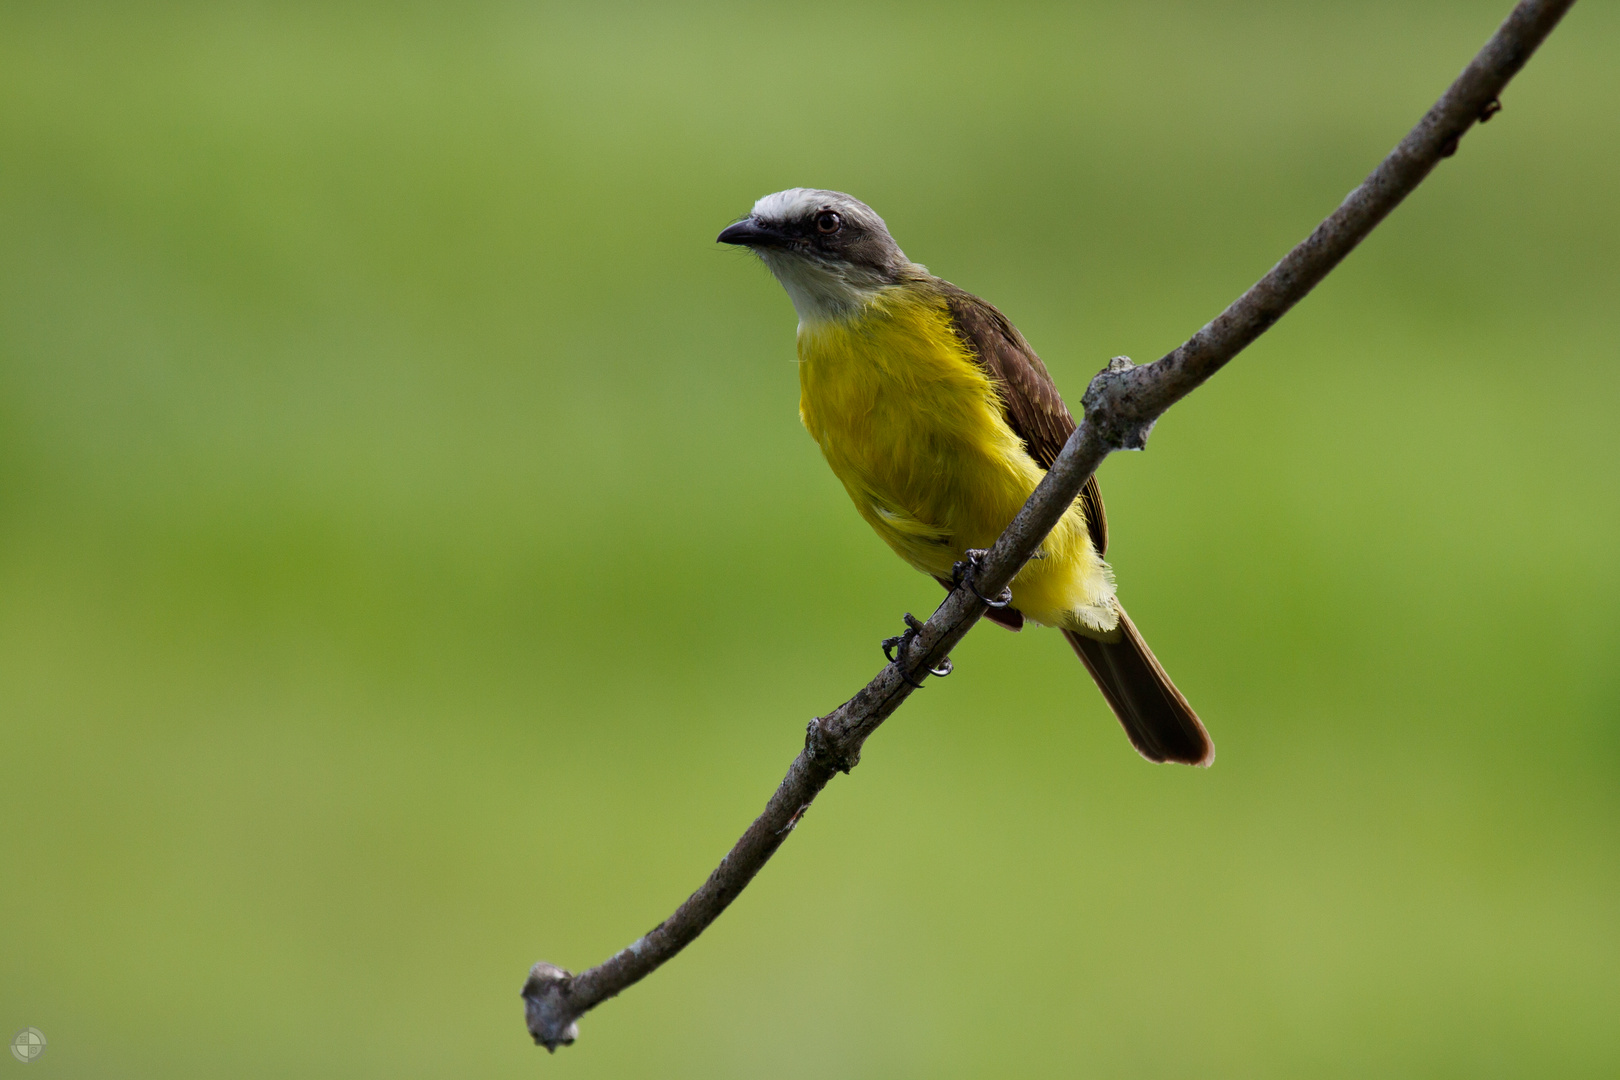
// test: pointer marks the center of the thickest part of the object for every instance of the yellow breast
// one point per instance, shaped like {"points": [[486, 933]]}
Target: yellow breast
{"points": [[913, 428]]}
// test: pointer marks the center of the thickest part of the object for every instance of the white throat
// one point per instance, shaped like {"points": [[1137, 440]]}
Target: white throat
{"points": [[822, 293]]}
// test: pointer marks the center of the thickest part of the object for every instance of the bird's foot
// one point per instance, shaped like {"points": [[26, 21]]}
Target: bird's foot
{"points": [[964, 573], [895, 649]]}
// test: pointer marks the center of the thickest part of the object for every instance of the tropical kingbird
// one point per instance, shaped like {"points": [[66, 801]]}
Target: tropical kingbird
{"points": [[940, 420]]}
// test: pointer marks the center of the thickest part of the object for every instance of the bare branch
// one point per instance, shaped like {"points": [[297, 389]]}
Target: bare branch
{"points": [[1121, 405]]}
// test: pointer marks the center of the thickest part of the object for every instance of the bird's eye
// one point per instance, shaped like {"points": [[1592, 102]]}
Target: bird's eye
{"points": [[828, 221]]}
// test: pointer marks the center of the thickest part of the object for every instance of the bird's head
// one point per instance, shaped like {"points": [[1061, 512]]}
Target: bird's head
{"points": [[830, 251]]}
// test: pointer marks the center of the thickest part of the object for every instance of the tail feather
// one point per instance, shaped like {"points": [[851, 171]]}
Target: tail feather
{"points": [[1160, 723]]}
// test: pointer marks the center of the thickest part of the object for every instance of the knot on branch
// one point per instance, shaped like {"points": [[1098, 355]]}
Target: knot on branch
{"points": [[1486, 111], [822, 747], [1115, 409], [552, 1022]]}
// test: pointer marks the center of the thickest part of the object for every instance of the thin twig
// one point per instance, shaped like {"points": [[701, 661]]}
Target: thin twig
{"points": [[1121, 405]]}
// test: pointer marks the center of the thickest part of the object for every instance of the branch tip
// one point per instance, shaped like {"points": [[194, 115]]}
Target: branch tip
{"points": [[552, 1023]]}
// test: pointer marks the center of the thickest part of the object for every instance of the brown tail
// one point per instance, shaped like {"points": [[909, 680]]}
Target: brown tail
{"points": [[1160, 723]]}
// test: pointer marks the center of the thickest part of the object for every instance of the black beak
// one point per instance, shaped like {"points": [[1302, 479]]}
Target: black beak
{"points": [[750, 233]]}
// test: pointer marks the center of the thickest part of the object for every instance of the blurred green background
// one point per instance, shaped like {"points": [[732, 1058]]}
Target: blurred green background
{"points": [[411, 564]]}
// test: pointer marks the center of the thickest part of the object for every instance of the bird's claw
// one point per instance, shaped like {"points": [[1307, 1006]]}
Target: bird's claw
{"points": [[895, 648], [964, 572], [890, 644]]}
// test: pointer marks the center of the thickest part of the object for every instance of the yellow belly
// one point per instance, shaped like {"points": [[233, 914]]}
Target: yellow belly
{"points": [[912, 426]]}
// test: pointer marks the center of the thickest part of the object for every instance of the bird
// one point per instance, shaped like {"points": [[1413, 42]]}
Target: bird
{"points": [[940, 420]]}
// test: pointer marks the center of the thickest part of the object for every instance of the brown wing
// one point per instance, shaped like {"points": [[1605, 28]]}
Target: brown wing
{"points": [[1033, 407]]}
